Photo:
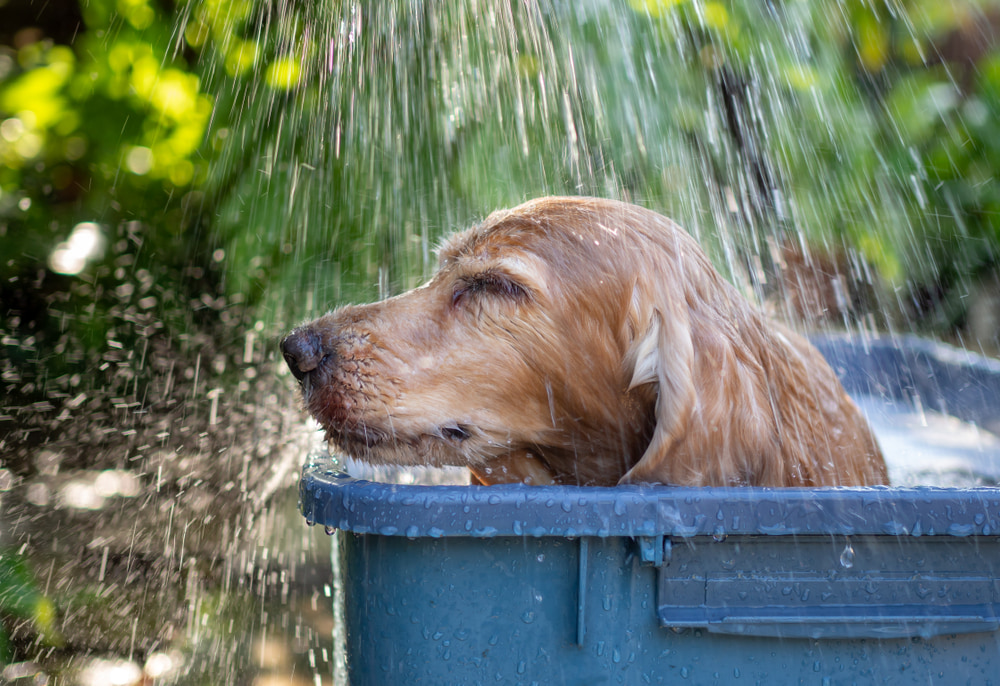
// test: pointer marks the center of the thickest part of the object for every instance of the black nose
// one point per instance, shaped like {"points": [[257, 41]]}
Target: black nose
{"points": [[303, 351]]}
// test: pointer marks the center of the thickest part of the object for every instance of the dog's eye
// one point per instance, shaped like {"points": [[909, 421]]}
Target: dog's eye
{"points": [[488, 283], [457, 433]]}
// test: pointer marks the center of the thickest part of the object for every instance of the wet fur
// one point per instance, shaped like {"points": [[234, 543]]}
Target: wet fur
{"points": [[582, 341]]}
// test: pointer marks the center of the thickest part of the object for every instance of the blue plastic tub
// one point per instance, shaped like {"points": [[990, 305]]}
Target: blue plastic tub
{"points": [[636, 585]]}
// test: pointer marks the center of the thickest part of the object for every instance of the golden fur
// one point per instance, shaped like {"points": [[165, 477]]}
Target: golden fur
{"points": [[581, 341]]}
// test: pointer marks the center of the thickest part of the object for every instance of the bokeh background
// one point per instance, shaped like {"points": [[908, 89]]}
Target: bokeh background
{"points": [[181, 181]]}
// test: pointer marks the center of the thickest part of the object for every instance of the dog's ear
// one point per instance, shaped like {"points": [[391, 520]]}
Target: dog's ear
{"points": [[662, 354]]}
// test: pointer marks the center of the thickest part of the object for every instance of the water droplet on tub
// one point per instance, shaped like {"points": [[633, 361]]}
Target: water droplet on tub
{"points": [[847, 557], [330, 530]]}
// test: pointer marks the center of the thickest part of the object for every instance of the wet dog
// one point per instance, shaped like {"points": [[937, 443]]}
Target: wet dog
{"points": [[581, 341]]}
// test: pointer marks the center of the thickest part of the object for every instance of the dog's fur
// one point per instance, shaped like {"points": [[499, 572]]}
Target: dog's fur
{"points": [[581, 341]]}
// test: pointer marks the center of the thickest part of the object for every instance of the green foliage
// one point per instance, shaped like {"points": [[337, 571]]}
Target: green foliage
{"points": [[239, 160], [100, 157], [753, 124], [21, 599], [938, 118]]}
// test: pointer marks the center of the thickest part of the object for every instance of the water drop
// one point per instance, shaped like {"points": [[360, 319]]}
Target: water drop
{"points": [[847, 556]]}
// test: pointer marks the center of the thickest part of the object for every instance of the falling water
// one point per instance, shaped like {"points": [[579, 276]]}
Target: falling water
{"points": [[347, 138], [362, 133]]}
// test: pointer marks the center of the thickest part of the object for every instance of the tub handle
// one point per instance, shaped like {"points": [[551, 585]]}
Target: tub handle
{"points": [[805, 587]]}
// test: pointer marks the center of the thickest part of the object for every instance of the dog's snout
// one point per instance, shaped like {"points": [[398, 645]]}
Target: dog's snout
{"points": [[303, 352]]}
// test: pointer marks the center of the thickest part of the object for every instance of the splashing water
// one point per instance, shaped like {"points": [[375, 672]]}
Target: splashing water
{"points": [[359, 133]]}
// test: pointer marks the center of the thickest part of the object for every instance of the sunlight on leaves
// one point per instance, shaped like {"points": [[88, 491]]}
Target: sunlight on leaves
{"points": [[654, 8], [284, 73]]}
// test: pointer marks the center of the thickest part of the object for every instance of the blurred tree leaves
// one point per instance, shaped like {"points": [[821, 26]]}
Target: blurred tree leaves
{"points": [[103, 134], [243, 160], [21, 599]]}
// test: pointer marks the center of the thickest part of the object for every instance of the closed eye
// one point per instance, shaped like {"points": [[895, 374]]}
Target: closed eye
{"points": [[489, 283]]}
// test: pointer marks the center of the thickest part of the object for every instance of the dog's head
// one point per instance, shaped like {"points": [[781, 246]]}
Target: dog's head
{"points": [[545, 331], [575, 340]]}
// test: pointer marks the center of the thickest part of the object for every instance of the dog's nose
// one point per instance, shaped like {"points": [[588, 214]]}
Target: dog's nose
{"points": [[303, 351]]}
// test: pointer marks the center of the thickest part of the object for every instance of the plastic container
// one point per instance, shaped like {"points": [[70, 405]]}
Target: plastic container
{"points": [[636, 585]]}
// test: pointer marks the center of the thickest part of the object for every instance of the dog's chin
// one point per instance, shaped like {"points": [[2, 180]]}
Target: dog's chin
{"points": [[437, 447]]}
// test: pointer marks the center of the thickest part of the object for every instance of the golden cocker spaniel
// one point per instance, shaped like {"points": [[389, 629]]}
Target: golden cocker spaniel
{"points": [[581, 341]]}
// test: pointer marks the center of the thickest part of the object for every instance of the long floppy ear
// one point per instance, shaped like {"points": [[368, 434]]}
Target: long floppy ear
{"points": [[662, 353]]}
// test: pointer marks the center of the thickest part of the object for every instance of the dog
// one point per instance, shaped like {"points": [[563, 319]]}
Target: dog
{"points": [[581, 341]]}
